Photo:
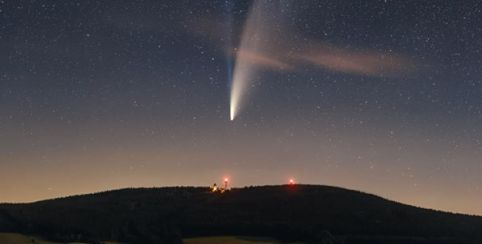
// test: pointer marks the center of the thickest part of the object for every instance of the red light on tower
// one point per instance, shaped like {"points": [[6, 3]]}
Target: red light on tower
{"points": [[291, 182], [226, 180]]}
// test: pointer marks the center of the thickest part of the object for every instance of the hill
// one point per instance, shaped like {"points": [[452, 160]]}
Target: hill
{"points": [[308, 213]]}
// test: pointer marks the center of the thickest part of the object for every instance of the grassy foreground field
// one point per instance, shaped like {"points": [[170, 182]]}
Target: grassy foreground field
{"points": [[14, 238], [230, 239]]}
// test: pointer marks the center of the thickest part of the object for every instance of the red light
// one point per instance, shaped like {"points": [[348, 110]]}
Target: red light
{"points": [[292, 182], [226, 179]]}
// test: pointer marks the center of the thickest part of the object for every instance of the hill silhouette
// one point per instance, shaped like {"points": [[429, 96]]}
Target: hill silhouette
{"points": [[308, 213]]}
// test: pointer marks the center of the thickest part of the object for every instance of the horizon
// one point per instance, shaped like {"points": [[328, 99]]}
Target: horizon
{"points": [[286, 184]]}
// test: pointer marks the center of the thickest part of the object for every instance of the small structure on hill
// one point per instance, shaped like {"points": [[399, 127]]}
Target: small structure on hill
{"points": [[215, 188]]}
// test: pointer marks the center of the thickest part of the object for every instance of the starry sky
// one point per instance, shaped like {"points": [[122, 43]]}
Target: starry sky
{"points": [[379, 96]]}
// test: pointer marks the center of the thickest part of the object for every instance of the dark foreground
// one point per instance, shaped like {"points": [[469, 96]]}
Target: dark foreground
{"points": [[305, 213]]}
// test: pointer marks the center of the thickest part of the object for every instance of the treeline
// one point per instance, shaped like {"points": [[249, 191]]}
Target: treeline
{"points": [[313, 214]]}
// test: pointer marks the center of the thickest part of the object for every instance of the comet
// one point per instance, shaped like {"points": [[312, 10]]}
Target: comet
{"points": [[267, 44], [256, 38], [228, 5]]}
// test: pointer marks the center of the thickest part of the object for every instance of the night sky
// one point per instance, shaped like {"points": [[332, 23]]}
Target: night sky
{"points": [[379, 96]]}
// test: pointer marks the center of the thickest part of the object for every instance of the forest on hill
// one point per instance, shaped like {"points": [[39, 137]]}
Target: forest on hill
{"points": [[307, 213]]}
